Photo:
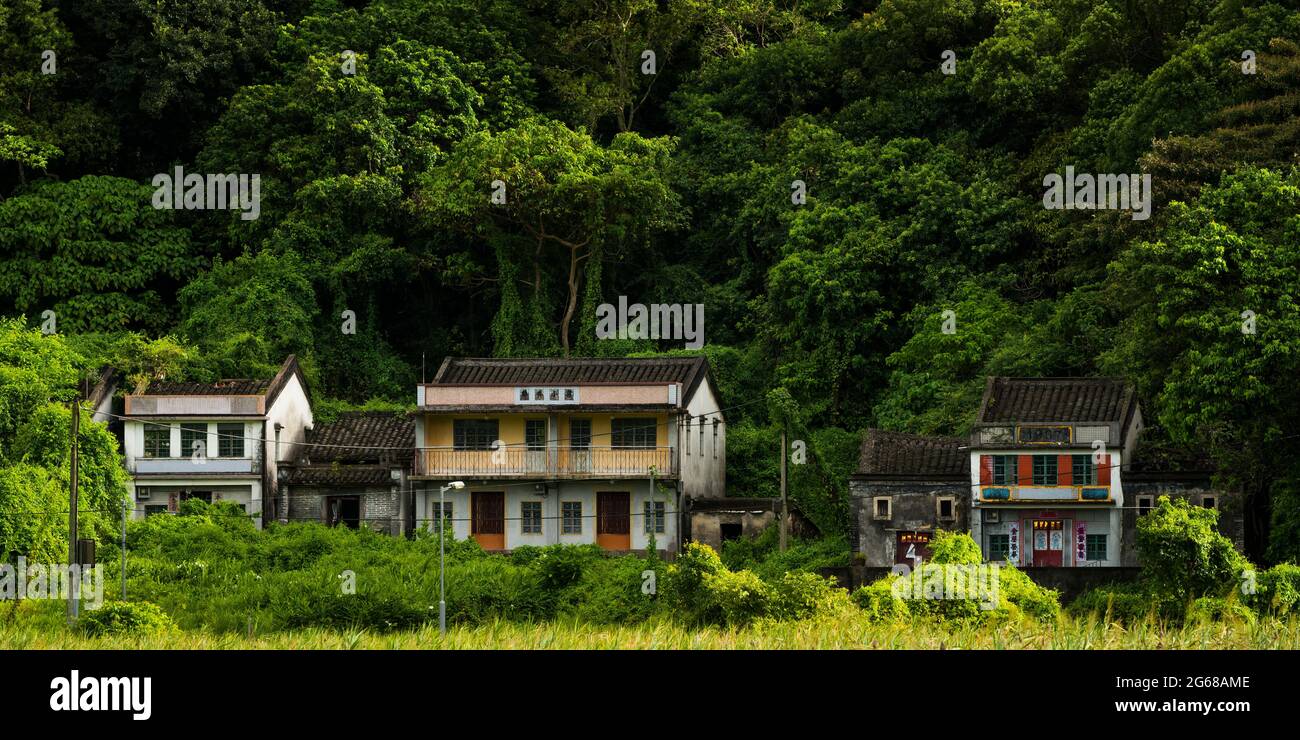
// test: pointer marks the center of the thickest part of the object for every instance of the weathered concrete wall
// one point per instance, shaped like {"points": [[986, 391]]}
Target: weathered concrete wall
{"points": [[706, 526], [914, 508]]}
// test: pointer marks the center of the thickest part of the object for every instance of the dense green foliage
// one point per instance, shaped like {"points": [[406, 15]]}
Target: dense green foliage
{"points": [[379, 127], [209, 568]]}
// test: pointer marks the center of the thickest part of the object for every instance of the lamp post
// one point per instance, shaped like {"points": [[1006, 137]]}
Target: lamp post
{"points": [[442, 569]]}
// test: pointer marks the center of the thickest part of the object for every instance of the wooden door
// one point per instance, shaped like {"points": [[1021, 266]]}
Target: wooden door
{"points": [[1048, 543], [614, 520], [488, 519]]}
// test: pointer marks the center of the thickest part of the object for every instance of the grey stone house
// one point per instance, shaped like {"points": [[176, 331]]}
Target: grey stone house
{"points": [[906, 487], [353, 472]]}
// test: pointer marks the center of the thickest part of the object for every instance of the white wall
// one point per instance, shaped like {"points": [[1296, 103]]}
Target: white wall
{"points": [[292, 411], [583, 491], [703, 470]]}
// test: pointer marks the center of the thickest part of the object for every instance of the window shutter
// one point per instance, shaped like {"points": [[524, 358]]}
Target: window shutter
{"points": [[1103, 471], [1065, 470], [1026, 464], [986, 469]]}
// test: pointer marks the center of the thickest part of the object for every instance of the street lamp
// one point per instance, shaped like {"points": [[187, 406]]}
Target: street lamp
{"points": [[442, 571]]}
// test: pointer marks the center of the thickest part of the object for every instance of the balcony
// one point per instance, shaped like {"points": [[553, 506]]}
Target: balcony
{"points": [[1003, 493], [189, 466], [521, 462]]}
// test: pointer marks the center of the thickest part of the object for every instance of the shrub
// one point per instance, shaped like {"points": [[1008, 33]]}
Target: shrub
{"points": [[1127, 603], [1216, 609], [954, 548], [1018, 589], [804, 595], [684, 589], [127, 618], [1182, 553], [1277, 591], [740, 596], [878, 602]]}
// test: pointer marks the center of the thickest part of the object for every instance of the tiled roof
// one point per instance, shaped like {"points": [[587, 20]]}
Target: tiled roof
{"points": [[220, 388], [897, 453], [1056, 399], [554, 371], [340, 475], [270, 387], [361, 436]]}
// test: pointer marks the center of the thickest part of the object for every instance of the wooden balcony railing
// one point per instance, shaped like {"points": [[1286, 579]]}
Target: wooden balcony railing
{"points": [[565, 462]]}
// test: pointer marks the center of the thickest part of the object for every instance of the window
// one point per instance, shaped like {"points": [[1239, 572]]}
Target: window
{"points": [[1045, 470], [230, 440], [153, 509], [204, 496], [1004, 470], [715, 437], [1210, 502], [157, 441], [580, 433], [1096, 547], [568, 394], [882, 507], [999, 546], [687, 444], [535, 434], [1084, 472], [530, 517], [635, 432], [654, 517], [436, 517], [701, 436], [571, 517], [473, 434], [1145, 504], [194, 440], [523, 394], [945, 505]]}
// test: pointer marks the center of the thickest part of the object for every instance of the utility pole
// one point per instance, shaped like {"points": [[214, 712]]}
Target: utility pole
{"points": [[123, 548], [73, 583], [785, 514]]}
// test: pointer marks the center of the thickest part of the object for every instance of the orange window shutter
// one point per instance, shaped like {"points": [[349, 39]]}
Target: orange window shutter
{"points": [[1103, 471], [1026, 470], [986, 469], [1065, 470]]}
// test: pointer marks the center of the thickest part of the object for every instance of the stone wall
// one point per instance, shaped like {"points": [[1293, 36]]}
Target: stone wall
{"points": [[380, 506], [914, 508]]}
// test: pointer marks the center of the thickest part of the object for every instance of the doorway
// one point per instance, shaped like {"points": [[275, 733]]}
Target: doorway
{"points": [[343, 510], [488, 519], [1049, 542], [614, 520]]}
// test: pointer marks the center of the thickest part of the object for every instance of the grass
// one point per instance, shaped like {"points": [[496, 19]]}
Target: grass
{"points": [[842, 632]]}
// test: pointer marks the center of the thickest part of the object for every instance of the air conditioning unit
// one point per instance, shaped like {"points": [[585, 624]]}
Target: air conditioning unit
{"points": [[992, 517], [141, 493]]}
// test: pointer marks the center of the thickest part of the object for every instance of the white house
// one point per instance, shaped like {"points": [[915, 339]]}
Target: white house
{"points": [[214, 441], [1046, 465], [565, 450]]}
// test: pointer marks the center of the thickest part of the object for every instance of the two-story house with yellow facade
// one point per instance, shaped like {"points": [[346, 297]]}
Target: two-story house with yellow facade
{"points": [[565, 450]]}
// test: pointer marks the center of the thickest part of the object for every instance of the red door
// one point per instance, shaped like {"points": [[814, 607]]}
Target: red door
{"points": [[488, 519], [1048, 543], [913, 548], [614, 520]]}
